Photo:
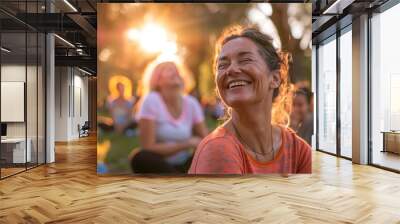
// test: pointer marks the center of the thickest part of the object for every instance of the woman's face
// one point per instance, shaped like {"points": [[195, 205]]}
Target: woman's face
{"points": [[170, 81], [300, 107], [243, 77]]}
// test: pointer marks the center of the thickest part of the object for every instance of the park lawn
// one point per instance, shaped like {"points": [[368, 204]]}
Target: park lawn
{"points": [[121, 146]]}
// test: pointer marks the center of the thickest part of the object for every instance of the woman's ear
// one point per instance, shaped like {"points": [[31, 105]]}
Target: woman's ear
{"points": [[276, 79]]}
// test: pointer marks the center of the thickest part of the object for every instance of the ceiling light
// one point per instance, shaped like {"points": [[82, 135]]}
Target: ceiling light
{"points": [[337, 7], [71, 6], [5, 50], [329, 9], [84, 71], [65, 41]]}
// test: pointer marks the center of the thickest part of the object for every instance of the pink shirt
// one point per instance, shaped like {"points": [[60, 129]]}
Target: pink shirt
{"points": [[168, 128]]}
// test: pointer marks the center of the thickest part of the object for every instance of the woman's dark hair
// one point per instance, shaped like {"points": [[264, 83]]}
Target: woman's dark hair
{"points": [[275, 60]]}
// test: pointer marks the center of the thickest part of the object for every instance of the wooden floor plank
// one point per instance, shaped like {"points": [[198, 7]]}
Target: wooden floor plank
{"points": [[69, 191]]}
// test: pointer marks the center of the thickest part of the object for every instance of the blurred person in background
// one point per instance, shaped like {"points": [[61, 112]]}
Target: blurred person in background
{"points": [[215, 109], [306, 85], [170, 123], [301, 117], [121, 110], [252, 81], [218, 111]]}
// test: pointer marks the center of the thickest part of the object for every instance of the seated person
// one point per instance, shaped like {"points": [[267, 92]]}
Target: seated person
{"points": [[252, 81], [121, 110], [170, 123], [301, 118]]}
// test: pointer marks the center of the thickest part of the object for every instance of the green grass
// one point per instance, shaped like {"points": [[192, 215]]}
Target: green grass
{"points": [[122, 145]]}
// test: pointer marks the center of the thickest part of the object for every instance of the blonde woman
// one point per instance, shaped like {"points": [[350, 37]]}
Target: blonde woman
{"points": [[170, 123], [252, 81]]}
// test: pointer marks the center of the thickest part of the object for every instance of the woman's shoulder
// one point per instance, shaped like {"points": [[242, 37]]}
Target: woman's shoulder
{"points": [[152, 97], [218, 139], [292, 140], [148, 107], [191, 100], [217, 154], [300, 149]]}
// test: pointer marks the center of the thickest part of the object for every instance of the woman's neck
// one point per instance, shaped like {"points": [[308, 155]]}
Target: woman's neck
{"points": [[173, 103], [253, 124], [172, 100]]}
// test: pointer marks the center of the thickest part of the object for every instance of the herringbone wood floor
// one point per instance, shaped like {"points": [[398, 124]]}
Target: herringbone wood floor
{"points": [[69, 191]]}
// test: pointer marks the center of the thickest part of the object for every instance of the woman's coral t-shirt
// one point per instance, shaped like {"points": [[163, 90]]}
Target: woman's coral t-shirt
{"points": [[222, 153]]}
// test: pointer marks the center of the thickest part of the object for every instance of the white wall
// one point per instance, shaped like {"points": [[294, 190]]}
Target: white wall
{"points": [[71, 93], [33, 127], [61, 103], [13, 73], [80, 115]]}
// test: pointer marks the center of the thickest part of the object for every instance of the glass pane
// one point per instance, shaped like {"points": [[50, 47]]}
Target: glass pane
{"points": [[346, 94], [327, 97], [385, 86], [22, 83], [13, 86], [41, 98], [313, 82], [31, 88], [31, 97]]}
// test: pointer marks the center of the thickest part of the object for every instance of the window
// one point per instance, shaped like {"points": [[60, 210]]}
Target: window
{"points": [[385, 89], [327, 96], [346, 93]]}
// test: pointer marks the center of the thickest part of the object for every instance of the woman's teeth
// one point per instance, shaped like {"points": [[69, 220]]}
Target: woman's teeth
{"points": [[236, 83]]}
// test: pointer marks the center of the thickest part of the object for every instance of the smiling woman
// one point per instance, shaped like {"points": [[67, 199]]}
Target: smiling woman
{"points": [[252, 81]]}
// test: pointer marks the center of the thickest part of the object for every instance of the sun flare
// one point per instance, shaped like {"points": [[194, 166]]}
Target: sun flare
{"points": [[153, 38]]}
